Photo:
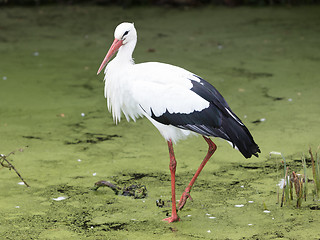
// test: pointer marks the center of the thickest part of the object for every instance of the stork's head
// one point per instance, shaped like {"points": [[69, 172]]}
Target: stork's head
{"points": [[124, 33]]}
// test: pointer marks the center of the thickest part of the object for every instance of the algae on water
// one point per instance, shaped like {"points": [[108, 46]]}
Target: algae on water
{"points": [[264, 61]]}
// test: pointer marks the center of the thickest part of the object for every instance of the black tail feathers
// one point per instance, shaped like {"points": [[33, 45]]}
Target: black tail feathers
{"points": [[240, 137]]}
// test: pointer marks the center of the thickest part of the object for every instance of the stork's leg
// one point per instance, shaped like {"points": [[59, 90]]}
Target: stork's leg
{"points": [[174, 217], [186, 193]]}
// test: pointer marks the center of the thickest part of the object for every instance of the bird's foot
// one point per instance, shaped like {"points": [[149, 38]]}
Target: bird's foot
{"points": [[172, 219], [183, 199]]}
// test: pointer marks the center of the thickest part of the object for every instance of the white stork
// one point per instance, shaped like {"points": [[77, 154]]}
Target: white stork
{"points": [[178, 103]]}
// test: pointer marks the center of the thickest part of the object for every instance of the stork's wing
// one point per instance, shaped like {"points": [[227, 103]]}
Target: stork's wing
{"points": [[194, 105], [188, 104]]}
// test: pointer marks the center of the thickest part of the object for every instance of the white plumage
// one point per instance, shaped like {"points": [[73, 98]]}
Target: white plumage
{"points": [[177, 102], [135, 89]]}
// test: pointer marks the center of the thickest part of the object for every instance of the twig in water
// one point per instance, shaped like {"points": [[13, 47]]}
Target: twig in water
{"points": [[3, 158], [135, 190], [103, 183]]}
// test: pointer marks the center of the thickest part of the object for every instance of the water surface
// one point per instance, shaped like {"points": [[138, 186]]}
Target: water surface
{"points": [[265, 62]]}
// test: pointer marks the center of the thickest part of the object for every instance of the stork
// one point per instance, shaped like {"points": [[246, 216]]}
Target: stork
{"points": [[177, 102]]}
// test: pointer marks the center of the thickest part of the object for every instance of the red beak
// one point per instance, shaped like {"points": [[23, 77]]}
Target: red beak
{"points": [[113, 49]]}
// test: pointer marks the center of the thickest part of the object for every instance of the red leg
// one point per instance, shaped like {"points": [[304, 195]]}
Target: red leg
{"points": [[186, 193], [174, 217]]}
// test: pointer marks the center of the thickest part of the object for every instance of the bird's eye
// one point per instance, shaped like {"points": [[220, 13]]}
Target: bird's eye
{"points": [[126, 33]]}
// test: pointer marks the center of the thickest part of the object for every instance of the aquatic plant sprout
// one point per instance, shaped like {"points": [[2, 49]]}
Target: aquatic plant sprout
{"points": [[315, 172], [299, 181], [285, 182]]}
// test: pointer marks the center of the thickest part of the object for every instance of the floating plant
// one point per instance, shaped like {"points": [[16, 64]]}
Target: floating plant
{"points": [[299, 182]]}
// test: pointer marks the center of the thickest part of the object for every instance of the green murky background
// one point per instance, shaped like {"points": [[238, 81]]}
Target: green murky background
{"points": [[265, 61]]}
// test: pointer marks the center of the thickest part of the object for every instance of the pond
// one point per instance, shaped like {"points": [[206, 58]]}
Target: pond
{"points": [[265, 62]]}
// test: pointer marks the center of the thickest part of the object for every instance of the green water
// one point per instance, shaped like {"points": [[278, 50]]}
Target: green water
{"points": [[265, 61]]}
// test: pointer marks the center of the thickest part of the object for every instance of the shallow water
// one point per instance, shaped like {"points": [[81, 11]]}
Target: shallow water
{"points": [[265, 61]]}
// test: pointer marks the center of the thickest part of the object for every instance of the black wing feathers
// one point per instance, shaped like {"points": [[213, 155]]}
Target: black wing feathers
{"points": [[217, 120]]}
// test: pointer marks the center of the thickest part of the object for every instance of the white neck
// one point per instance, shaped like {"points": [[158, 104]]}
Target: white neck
{"points": [[125, 52]]}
